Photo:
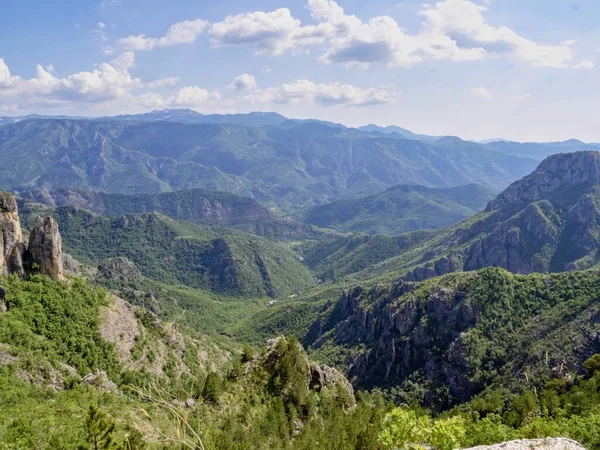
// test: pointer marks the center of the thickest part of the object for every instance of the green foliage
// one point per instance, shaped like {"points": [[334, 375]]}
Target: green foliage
{"points": [[213, 387], [349, 255], [404, 429], [99, 430], [401, 209], [58, 322], [592, 364], [134, 440], [225, 261]]}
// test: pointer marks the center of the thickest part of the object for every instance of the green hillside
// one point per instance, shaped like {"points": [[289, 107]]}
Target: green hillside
{"points": [[218, 260], [546, 222], [200, 206], [401, 209]]}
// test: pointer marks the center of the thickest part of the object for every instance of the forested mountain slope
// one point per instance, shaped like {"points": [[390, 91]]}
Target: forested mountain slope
{"points": [[401, 209], [546, 222], [223, 261], [289, 166]]}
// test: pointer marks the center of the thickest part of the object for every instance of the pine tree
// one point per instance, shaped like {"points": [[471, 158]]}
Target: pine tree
{"points": [[99, 430], [133, 441]]}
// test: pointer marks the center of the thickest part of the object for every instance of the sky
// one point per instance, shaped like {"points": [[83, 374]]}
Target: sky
{"points": [[526, 70]]}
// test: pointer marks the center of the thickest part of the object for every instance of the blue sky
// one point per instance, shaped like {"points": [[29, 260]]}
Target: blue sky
{"points": [[519, 69]]}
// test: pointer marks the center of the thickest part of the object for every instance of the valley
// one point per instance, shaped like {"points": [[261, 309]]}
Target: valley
{"points": [[294, 282]]}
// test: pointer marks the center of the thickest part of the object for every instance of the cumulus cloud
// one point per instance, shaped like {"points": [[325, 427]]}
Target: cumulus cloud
{"points": [[306, 91], [194, 96], [454, 30], [481, 92], [109, 82], [242, 83], [272, 33], [184, 32]]}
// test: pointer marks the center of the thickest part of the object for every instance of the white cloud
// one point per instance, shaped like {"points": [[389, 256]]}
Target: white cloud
{"points": [[306, 91], [452, 29], [184, 32], [109, 82], [101, 25], [585, 65], [243, 82], [272, 33], [50, 68], [100, 35], [464, 23], [194, 96], [481, 92], [266, 69]]}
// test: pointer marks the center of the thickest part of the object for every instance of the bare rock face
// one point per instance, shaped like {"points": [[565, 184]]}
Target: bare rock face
{"points": [[537, 444], [45, 248], [11, 245], [323, 376], [579, 169], [119, 269], [100, 380]]}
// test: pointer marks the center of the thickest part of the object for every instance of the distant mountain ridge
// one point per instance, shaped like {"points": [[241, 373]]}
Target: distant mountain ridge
{"points": [[290, 166], [200, 206], [393, 129], [401, 209]]}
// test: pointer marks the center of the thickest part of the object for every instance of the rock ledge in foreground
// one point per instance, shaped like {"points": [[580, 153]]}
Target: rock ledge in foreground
{"points": [[534, 444]]}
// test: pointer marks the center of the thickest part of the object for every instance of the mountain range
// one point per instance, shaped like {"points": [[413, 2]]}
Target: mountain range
{"points": [[286, 166], [456, 279]]}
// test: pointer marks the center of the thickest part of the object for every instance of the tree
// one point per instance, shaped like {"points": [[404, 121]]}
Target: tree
{"points": [[592, 364], [213, 387], [404, 429], [133, 441], [99, 430]]}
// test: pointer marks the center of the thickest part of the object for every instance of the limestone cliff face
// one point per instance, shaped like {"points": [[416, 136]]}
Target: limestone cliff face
{"points": [[554, 174], [461, 332], [43, 254], [11, 245], [401, 338], [45, 248]]}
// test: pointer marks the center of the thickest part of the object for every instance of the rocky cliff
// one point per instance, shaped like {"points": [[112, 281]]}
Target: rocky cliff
{"points": [[43, 254], [446, 339], [45, 248], [11, 245]]}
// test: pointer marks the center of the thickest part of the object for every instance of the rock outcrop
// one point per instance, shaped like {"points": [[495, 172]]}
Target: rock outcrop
{"points": [[534, 444], [314, 376], [43, 254], [119, 269], [11, 245], [45, 248]]}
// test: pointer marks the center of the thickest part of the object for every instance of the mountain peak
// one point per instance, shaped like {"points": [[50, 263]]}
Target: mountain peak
{"points": [[558, 172]]}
